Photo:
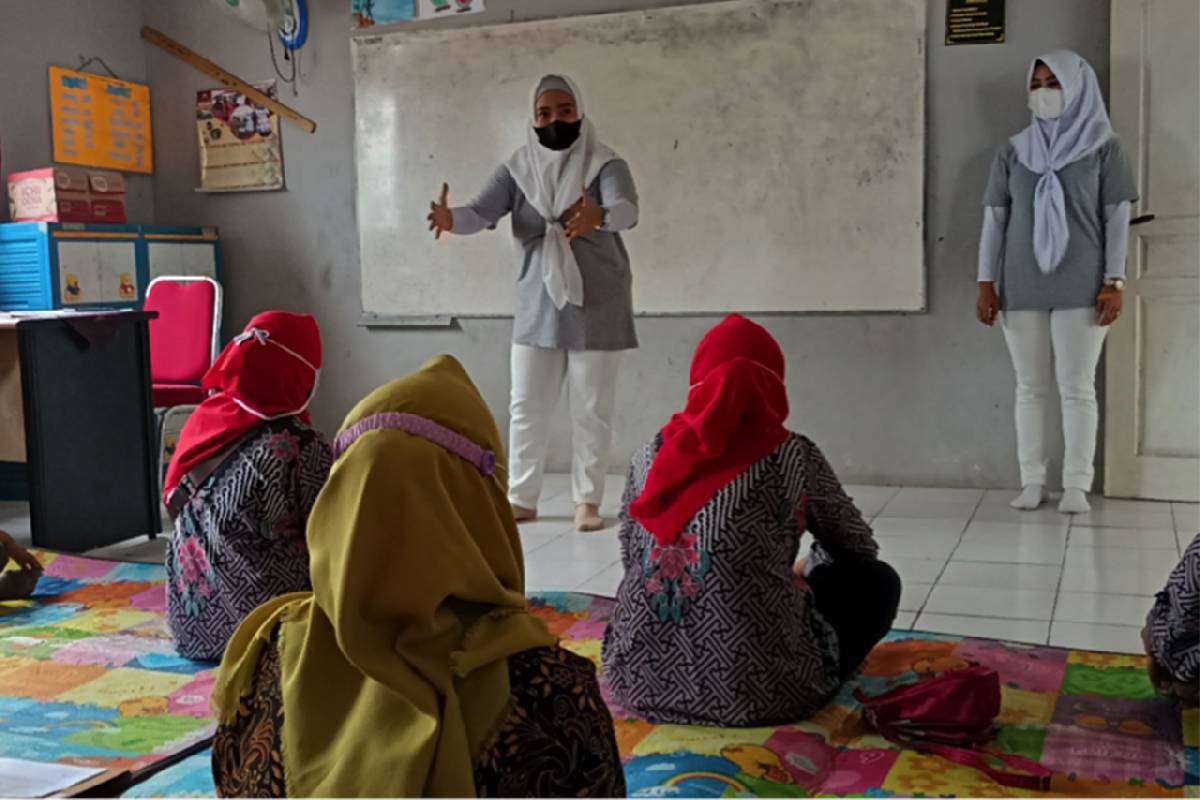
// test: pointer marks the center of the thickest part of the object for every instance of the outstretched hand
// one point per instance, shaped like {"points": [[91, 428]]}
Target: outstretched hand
{"points": [[586, 217], [441, 219]]}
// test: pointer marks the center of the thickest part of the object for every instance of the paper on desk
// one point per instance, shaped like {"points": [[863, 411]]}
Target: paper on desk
{"points": [[21, 778], [61, 313]]}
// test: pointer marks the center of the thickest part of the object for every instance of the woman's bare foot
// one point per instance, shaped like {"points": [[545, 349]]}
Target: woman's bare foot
{"points": [[522, 514], [587, 518]]}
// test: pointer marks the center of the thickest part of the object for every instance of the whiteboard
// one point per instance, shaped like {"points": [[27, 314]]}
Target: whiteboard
{"points": [[777, 147]]}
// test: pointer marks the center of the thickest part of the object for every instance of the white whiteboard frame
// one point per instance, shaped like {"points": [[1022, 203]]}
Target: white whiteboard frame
{"points": [[911, 260]]}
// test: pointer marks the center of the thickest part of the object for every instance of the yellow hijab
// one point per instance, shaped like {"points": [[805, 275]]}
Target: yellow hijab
{"points": [[394, 669]]}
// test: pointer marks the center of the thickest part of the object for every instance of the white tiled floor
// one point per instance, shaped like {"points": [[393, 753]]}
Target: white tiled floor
{"points": [[970, 564]]}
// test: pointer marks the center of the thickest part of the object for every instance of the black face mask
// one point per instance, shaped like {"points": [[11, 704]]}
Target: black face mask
{"points": [[559, 135]]}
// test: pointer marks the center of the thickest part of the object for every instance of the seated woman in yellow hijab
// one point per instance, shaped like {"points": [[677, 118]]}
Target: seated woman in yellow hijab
{"points": [[413, 668]]}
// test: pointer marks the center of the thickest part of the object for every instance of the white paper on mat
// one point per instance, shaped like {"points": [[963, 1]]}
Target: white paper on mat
{"points": [[438, 9], [21, 778]]}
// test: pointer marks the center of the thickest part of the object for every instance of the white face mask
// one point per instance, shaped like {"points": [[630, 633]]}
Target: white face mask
{"points": [[1047, 103]]}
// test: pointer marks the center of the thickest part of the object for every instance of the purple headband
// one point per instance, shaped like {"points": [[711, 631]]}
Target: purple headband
{"points": [[480, 458]]}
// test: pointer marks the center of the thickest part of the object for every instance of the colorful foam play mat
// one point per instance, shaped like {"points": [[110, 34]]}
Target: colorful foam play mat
{"points": [[191, 777], [88, 678], [1092, 718]]}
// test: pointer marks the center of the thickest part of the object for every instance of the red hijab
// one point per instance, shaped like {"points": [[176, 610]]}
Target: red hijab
{"points": [[268, 371], [734, 417]]}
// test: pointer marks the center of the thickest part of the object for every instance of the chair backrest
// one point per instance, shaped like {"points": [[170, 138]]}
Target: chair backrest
{"points": [[185, 337]]}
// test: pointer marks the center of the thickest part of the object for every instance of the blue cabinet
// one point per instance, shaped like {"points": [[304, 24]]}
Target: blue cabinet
{"points": [[53, 265]]}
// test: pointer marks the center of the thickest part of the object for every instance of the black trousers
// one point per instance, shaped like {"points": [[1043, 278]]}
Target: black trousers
{"points": [[859, 599]]}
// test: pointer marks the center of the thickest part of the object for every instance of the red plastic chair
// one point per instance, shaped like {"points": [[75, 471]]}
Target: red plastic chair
{"points": [[184, 338], [184, 341]]}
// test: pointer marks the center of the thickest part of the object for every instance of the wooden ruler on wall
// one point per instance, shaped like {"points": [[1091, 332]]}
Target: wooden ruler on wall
{"points": [[227, 78]]}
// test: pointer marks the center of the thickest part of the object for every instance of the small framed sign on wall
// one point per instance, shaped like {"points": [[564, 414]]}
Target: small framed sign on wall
{"points": [[974, 21]]}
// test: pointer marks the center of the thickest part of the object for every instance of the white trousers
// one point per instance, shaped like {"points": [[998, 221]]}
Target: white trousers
{"points": [[1075, 339], [537, 380]]}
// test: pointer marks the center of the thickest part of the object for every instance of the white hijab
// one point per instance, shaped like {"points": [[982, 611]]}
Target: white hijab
{"points": [[1049, 145], [552, 181]]}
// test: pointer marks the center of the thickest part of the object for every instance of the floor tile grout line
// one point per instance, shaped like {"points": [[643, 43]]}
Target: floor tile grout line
{"points": [[603, 570], [1109, 594], [1180, 532], [895, 492], [1002, 619], [1062, 571], [535, 548], [946, 563]]}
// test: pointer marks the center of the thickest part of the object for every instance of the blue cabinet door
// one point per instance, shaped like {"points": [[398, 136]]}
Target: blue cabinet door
{"points": [[46, 266]]}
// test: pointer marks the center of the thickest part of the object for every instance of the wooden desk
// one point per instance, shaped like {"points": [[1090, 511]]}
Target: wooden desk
{"points": [[76, 409]]}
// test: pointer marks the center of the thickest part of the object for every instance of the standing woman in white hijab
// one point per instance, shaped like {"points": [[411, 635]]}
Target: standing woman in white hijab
{"points": [[1052, 264], [570, 197]]}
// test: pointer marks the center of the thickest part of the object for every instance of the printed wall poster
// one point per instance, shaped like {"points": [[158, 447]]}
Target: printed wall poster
{"points": [[381, 12], [428, 9], [100, 122], [240, 145]]}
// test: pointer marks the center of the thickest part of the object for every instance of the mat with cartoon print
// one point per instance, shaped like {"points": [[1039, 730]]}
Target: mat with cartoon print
{"points": [[1092, 718], [191, 777], [89, 674]]}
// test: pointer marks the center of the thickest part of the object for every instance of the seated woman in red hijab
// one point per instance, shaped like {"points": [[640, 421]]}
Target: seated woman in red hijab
{"points": [[711, 626], [242, 481]]}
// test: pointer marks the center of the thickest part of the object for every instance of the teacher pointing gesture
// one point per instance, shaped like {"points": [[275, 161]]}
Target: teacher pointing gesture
{"points": [[570, 197]]}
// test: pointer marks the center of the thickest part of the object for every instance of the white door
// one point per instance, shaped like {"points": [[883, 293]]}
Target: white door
{"points": [[1152, 414]]}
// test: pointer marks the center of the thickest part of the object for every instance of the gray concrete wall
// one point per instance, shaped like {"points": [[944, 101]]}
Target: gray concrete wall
{"points": [[35, 35], [915, 398]]}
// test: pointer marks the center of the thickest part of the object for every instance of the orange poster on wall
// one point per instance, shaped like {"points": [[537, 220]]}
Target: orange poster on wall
{"points": [[100, 122]]}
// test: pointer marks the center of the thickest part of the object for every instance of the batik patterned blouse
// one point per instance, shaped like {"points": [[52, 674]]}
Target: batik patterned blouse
{"points": [[716, 630], [1174, 622], [239, 541], [557, 740]]}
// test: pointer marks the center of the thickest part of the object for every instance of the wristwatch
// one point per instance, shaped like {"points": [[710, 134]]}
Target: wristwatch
{"points": [[1116, 283]]}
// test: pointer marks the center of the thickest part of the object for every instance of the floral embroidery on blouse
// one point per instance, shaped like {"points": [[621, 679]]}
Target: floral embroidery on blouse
{"points": [[675, 576], [285, 445], [239, 539], [195, 578]]}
